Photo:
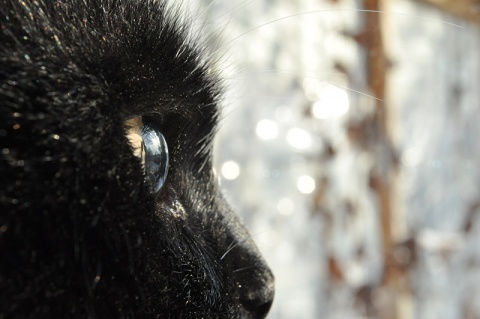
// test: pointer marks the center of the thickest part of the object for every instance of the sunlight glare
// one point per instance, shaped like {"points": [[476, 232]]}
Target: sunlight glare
{"points": [[306, 184], [230, 170], [333, 102], [285, 206], [299, 138], [267, 129]]}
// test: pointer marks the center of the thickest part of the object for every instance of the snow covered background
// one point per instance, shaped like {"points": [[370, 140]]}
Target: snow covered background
{"points": [[359, 182]]}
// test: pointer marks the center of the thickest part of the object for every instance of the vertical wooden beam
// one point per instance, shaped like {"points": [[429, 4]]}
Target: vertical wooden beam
{"points": [[377, 68], [382, 148]]}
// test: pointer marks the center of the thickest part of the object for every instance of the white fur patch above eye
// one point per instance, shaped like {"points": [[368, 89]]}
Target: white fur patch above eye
{"points": [[150, 146]]}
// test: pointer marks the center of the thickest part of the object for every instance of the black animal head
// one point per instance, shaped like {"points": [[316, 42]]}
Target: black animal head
{"points": [[83, 232]]}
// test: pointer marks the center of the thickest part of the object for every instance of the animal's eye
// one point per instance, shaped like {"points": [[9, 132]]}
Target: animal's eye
{"points": [[155, 156], [151, 147]]}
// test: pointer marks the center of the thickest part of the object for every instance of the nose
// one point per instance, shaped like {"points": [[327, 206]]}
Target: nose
{"points": [[251, 280], [256, 291]]}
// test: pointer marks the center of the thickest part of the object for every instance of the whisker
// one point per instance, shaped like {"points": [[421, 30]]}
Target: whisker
{"points": [[237, 7], [343, 10], [309, 77], [356, 91], [259, 233], [243, 269], [276, 71], [231, 247], [224, 18], [207, 9]]}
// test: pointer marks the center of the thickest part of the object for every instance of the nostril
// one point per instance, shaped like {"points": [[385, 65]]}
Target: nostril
{"points": [[258, 303], [264, 309], [258, 309]]}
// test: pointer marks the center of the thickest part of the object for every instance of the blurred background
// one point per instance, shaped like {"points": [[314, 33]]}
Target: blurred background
{"points": [[348, 144]]}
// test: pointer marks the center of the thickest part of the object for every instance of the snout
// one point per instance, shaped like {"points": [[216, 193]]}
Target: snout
{"points": [[256, 291], [253, 280]]}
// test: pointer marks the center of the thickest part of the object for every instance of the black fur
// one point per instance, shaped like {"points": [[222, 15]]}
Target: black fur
{"points": [[81, 236]]}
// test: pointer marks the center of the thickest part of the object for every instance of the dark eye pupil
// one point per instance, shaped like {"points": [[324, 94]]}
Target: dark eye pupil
{"points": [[155, 154]]}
